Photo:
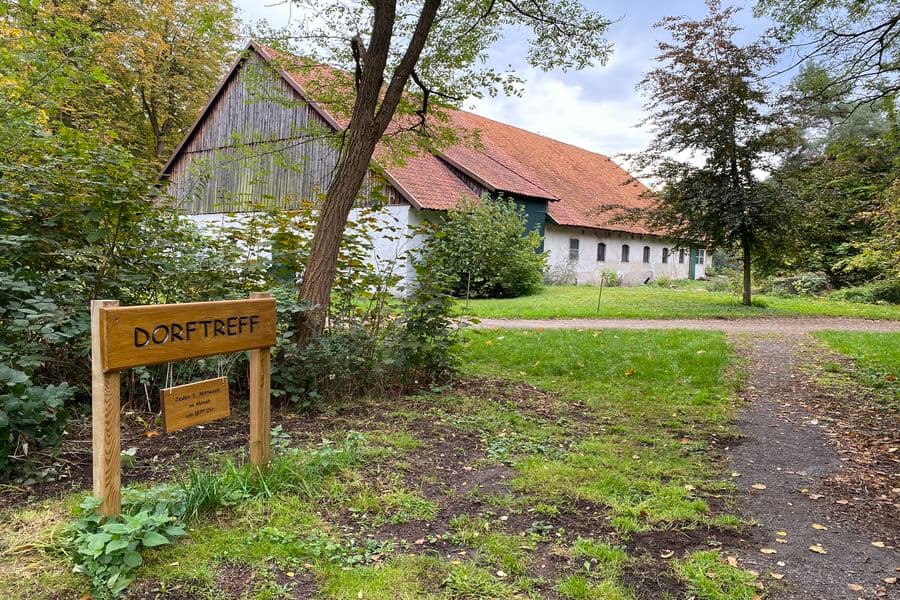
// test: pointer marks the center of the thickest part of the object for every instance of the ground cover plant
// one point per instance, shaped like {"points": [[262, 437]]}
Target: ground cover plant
{"points": [[542, 472], [647, 302]]}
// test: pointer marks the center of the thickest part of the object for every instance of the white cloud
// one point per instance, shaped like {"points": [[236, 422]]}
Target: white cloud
{"points": [[563, 110]]}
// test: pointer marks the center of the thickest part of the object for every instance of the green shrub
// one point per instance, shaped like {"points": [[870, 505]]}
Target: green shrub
{"points": [[108, 549], [802, 284], [483, 250], [31, 418], [873, 293]]}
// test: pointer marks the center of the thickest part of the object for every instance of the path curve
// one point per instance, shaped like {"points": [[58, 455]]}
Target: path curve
{"points": [[788, 325]]}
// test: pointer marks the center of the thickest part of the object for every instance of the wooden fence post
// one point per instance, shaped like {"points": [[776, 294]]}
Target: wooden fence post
{"points": [[105, 411], [260, 390]]}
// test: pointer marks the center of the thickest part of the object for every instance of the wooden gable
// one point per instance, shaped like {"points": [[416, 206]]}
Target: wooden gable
{"points": [[258, 145]]}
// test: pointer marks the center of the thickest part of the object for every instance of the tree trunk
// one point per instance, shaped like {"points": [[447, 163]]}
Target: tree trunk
{"points": [[318, 278], [745, 247]]}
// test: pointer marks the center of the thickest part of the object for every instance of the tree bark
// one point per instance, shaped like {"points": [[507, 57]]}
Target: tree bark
{"points": [[368, 122], [745, 248]]}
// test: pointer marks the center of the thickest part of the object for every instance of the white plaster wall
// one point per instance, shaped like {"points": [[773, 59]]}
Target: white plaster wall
{"points": [[390, 246], [587, 269]]}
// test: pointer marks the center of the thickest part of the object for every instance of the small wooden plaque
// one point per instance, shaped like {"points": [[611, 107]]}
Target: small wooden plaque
{"points": [[195, 403]]}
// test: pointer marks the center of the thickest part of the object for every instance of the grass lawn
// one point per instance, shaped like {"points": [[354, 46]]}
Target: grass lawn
{"points": [[562, 464], [648, 302], [876, 356]]}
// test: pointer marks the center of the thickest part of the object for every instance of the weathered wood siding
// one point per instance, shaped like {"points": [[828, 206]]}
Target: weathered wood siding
{"points": [[260, 146]]}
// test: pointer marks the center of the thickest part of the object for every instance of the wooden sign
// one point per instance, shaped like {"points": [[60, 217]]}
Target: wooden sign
{"points": [[134, 336], [194, 404]]}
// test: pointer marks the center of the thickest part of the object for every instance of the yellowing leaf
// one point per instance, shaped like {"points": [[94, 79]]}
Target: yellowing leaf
{"points": [[818, 549], [819, 527], [781, 533]]}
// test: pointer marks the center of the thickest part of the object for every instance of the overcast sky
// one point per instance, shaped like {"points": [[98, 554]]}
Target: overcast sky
{"points": [[598, 108]]}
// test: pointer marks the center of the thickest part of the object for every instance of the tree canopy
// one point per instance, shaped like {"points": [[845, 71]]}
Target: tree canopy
{"points": [[714, 129]]}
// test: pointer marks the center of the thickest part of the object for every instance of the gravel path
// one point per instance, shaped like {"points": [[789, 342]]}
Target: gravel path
{"points": [[787, 326], [781, 466]]}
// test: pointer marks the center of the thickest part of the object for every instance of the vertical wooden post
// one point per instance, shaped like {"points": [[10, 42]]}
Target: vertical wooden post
{"points": [[105, 412], [260, 389]]}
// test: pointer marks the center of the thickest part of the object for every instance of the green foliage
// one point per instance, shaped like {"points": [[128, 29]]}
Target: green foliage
{"points": [[484, 251], [709, 577], [707, 101], [879, 292], [108, 550], [31, 417], [802, 284]]}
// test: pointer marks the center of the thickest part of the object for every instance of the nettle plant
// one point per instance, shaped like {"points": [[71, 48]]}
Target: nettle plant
{"points": [[108, 549]]}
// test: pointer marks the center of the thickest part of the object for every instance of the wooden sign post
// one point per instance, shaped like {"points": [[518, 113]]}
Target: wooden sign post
{"points": [[134, 336]]}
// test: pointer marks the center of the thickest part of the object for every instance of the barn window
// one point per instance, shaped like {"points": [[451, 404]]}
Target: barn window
{"points": [[601, 252], [701, 256], [573, 248], [665, 255], [625, 251], [681, 256], [646, 254]]}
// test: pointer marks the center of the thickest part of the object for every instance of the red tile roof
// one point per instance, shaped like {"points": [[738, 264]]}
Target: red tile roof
{"points": [[575, 182]]}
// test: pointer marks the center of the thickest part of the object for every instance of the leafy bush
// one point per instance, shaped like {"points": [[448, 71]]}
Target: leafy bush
{"points": [[611, 278], [878, 292], [31, 417], [803, 284], [108, 550], [484, 250]]}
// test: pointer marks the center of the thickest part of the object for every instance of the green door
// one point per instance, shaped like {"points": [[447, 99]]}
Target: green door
{"points": [[692, 264]]}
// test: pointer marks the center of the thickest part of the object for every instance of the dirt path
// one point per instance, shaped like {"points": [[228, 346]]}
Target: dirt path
{"points": [[785, 449], [788, 325]]}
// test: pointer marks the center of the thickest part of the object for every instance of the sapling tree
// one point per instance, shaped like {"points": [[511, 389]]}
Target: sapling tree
{"points": [[714, 127], [406, 57]]}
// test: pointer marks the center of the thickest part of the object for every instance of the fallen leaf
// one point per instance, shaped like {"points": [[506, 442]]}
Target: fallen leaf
{"points": [[890, 580], [855, 587], [781, 533], [776, 575], [781, 563], [667, 554], [819, 527], [818, 549], [629, 372], [878, 544], [419, 541], [842, 502], [781, 540], [758, 486], [711, 574], [733, 561], [768, 550], [501, 574], [815, 496]]}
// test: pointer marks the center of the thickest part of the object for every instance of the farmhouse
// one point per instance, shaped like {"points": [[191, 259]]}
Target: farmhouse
{"points": [[266, 140]]}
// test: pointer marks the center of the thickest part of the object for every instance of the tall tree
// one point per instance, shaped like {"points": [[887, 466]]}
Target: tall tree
{"points": [[856, 41], [407, 55], [713, 128], [153, 63]]}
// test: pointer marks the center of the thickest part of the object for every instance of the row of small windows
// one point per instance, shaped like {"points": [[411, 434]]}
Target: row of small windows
{"points": [[574, 247]]}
